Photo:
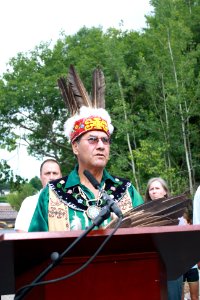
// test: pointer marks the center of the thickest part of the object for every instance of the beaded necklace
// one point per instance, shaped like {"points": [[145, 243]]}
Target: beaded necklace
{"points": [[93, 210]]}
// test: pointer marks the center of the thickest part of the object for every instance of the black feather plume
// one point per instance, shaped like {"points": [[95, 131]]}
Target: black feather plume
{"points": [[98, 91], [75, 95]]}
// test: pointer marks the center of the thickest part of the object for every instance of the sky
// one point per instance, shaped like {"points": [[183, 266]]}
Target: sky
{"points": [[24, 24]]}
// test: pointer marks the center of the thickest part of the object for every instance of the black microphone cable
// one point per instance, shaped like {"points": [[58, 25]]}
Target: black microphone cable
{"points": [[56, 256]]}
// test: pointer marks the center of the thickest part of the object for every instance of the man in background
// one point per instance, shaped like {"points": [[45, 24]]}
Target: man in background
{"points": [[49, 170]]}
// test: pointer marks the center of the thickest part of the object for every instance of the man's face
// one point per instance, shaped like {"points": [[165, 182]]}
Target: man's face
{"points": [[50, 171], [92, 150]]}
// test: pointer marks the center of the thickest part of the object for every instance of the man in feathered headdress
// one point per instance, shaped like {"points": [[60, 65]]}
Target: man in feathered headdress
{"points": [[72, 202]]}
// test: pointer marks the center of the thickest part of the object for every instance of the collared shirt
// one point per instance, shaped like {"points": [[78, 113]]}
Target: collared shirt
{"points": [[77, 218]]}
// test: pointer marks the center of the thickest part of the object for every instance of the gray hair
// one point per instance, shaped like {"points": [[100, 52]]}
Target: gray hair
{"points": [[162, 182]]}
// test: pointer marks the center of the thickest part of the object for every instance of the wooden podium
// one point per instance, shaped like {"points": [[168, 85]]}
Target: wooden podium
{"points": [[134, 264]]}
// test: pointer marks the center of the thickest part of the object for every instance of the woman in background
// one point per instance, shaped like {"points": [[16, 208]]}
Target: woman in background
{"points": [[156, 189]]}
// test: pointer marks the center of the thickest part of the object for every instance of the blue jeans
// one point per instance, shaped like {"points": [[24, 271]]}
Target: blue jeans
{"points": [[174, 288]]}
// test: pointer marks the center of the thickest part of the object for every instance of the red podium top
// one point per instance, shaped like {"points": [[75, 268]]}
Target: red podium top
{"points": [[177, 246]]}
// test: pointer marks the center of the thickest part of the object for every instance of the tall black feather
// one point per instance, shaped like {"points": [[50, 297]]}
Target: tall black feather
{"points": [[75, 95], [80, 94], [98, 89]]}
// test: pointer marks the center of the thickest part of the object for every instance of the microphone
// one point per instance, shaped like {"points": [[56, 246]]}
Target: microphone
{"points": [[110, 202]]}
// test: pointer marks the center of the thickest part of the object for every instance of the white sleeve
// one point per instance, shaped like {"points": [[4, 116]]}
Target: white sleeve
{"points": [[196, 207], [25, 213]]}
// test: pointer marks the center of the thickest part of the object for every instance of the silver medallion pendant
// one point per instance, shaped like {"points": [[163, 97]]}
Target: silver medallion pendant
{"points": [[93, 211]]}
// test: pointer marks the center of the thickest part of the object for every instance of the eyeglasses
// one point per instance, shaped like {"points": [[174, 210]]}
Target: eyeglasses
{"points": [[93, 140]]}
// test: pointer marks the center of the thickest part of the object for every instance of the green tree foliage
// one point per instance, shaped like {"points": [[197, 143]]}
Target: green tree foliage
{"points": [[171, 62], [150, 160], [7, 179], [36, 183], [15, 199], [16, 183], [152, 94], [6, 174]]}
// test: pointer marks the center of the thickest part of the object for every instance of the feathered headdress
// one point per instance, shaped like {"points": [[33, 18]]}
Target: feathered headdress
{"points": [[86, 113]]}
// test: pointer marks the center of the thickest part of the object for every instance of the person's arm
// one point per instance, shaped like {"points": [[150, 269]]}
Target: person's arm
{"points": [[196, 207], [21, 222], [39, 220], [25, 213], [135, 196]]}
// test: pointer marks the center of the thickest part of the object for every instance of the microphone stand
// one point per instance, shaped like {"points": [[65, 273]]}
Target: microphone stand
{"points": [[56, 258]]}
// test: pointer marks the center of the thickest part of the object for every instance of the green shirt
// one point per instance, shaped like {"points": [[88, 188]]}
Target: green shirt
{"points": [[39, 220]]}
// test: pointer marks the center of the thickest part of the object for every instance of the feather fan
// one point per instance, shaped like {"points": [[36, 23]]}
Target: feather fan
{"points": [[159, 212]]}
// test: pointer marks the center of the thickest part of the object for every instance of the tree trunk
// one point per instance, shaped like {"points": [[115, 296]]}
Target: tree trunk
{"points": [[184, 135], [127, 135]]}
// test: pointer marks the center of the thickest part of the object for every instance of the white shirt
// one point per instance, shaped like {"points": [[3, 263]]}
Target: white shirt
{"points": [[196, 207], [26, 212]]}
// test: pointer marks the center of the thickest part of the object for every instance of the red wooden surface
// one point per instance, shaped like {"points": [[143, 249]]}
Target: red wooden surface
{"points": [[108, 277], [133, 263]]}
